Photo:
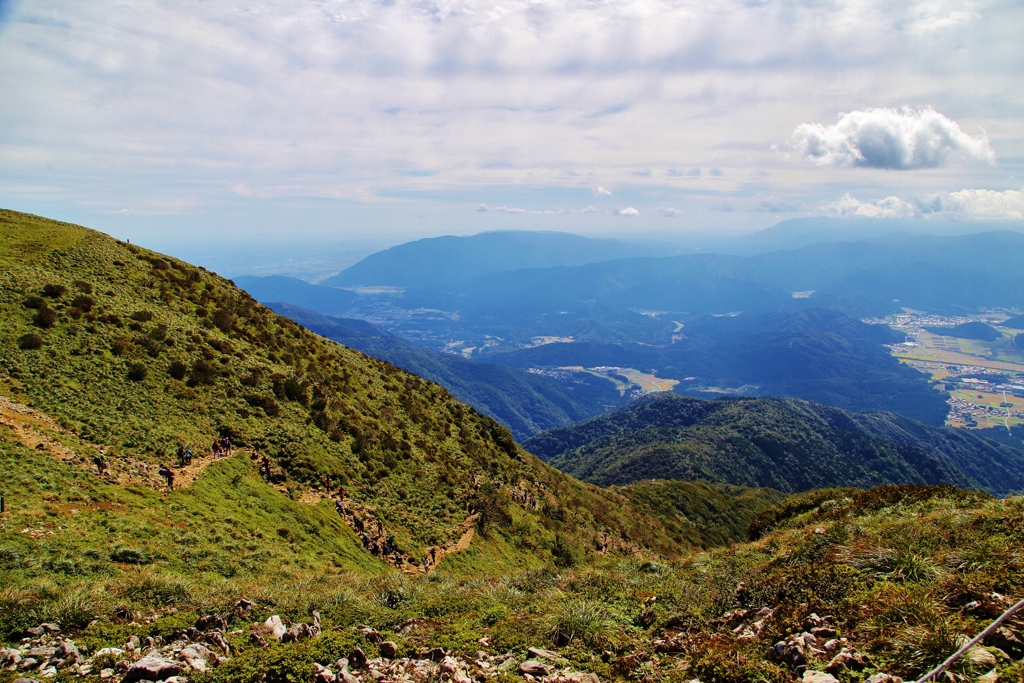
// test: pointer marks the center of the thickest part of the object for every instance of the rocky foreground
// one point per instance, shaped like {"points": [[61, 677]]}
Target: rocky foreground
{"points": [[818, 654]]}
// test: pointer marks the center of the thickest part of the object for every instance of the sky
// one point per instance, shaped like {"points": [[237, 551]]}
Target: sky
{"points": [[186, 122]]}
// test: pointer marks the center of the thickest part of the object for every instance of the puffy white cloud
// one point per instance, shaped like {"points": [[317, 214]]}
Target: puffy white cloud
{"points": [[628, 211], [965, 204], [670, 212], [601, 192], [481, 207], [890, 138]]}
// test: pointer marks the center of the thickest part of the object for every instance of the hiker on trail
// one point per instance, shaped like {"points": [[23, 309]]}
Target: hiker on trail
{"points": [[426, 564], [181, 455], [168, 474], [380, 528], [225, 445], [265, 468], [188, 455], [216, 448], [339, 505], [101, 463], [342, 492]]}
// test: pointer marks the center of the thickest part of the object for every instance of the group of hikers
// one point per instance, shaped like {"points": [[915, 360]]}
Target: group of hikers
{"points": [[221, 448], [381, 545]]}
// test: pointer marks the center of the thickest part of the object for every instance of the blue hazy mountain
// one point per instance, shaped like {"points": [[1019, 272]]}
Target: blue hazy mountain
{"points": [[326, 300], [434, 260], [818, 354], [526, 403]]}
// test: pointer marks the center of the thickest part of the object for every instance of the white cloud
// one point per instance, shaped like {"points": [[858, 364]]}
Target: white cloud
{"points": [[964, 204], [401, 102], [514, 209], [628, 211], [481, 207], [670, 212], [889, 138]]}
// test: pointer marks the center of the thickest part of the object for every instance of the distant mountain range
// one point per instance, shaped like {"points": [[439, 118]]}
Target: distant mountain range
{"points": [[526, 403], [787, 444], [750, 325], [435, 260]]}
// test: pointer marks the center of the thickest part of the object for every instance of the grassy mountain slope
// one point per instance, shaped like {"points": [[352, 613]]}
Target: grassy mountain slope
{"points": [[135, 353], [787, 444], [903, 574], [526, 403], [432, 260]]}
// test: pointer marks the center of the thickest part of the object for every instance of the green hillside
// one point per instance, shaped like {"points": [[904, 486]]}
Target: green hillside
{"points": [[786, 444], [134, 354]]}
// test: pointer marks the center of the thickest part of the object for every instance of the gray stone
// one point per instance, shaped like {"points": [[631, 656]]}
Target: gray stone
{"points": [[357, 658], [26, 680], [577, 677], [28, 663], [535, 667], [371, 634], [538, 653], [818, 677], [388, 649], [9, 656], [153, 668], [276, 626], [982, 658], [881, 677], [42, 652], [434, 654], [321, 674]]}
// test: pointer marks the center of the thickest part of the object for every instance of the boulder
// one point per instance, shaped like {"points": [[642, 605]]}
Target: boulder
{"points": [[26, 680], [153, 668], [357, 658], [346, 677], [433, 654], [1007, 640], [818, 677], [9, 656], [982, 658], [42, 652], [538, 653], [847, 659], [388, 649], [370, 633], [276, 626], [577, 677], [28, 663], [321, 674], [211, 622], [535, 667], [198, 656], [881, 677], [449, 665]]}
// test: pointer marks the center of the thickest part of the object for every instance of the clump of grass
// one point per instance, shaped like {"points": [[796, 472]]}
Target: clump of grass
{"points": [[150, 587], [580, 620]]}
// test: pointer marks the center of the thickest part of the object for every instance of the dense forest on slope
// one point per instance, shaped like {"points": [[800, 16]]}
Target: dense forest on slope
{"points": [[134, 354], [526, 403], [786, 444]]}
